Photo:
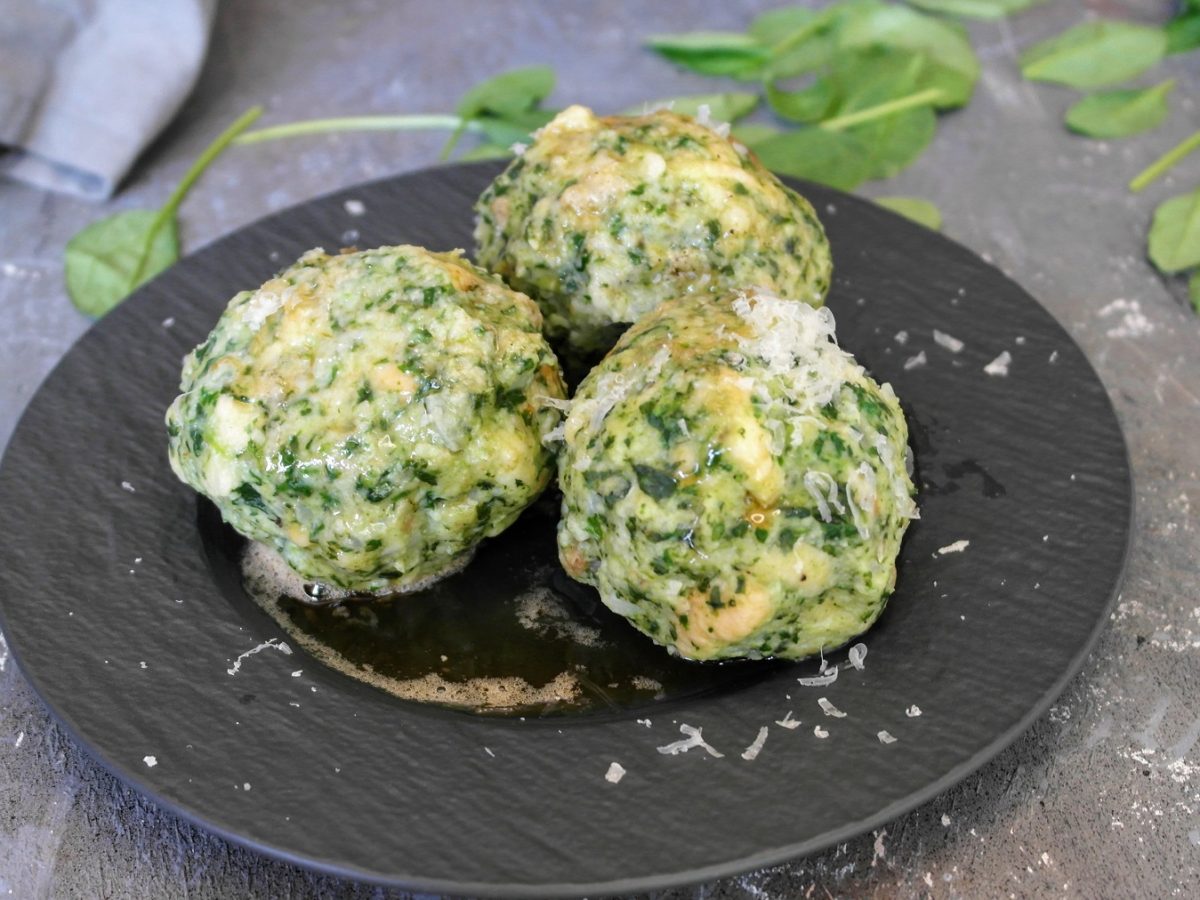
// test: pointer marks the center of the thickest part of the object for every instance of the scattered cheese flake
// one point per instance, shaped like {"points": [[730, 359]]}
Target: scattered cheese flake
{"points": [[645, 722], [857, 654], [297, 673], [246, 786], [355, 207], [488, 751], [615, 773], [901, 338], [126, 486], [913, 711], [956, 547], [951, 343], [142, 664], [21, 739], [273, 643], [914, 362], [829, 709], [150, 761], [168, 322], [885, 738], [820, 732], [999, 365], [518, 149], [945, 820], [788, 722], [694, 739], [820, 680], [751, 752]]}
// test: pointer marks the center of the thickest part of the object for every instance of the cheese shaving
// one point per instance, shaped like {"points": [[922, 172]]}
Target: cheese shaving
{"points": [[751, 752], [694, 738]]}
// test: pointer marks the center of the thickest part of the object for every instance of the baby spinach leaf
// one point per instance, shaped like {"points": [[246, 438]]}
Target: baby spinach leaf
{"points": [[1174, 243], [776, 25], [1194, 290], [920, 211], [109, 259], [728, 106], [1116, 114], [753, 133], [506, 101], [830, 157], [812, 104], [974, 9], [952, 66], [713, 52], [1183, 31], [1095, 54]]}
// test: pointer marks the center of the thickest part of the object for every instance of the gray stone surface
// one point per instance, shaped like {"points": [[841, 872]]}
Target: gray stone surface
{"points": [[1100, 798]]}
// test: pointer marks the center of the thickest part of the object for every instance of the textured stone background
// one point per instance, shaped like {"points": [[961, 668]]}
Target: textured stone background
{"points": [[1100, 798]]}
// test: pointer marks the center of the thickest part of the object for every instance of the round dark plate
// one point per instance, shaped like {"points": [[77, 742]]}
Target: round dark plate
{"points": [[126, 628]]}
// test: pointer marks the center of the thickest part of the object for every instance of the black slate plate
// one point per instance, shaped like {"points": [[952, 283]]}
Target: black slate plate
{"points": [[126, 628]]}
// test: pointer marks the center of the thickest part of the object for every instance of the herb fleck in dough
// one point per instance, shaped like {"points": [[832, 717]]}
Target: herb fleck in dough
{"points": [[371, 416], [602, 219]]}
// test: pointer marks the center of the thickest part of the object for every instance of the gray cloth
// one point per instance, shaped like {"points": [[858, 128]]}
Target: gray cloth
{"points": [[85, 85]]}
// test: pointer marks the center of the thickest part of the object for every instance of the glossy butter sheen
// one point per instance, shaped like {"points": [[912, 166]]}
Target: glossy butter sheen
{"points": [[372, 416]]}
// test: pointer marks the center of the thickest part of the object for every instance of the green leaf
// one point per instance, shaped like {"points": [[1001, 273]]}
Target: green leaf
{"points": [[753, 133], [920, 211], [1183, 32], [869, 89], [713, 52], [110, 258], [508, 103], [1174, 242], [508, 94], [728, 106], [974, 9], [835, 158], [952, 66], [1117, 114], [777, 25], [1194, 290], [1095, 54], [106, 261], [515, 129], [814, 103]]}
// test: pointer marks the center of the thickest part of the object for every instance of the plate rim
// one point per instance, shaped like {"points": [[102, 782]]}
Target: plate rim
{"points": [[636, 884]]}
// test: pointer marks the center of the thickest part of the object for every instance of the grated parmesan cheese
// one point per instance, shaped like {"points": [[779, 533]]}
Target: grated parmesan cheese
{"points": [[694, 738], [951, 343], [751, 752], [999, 365], [615, 773], [829, 709], [857, 654]]}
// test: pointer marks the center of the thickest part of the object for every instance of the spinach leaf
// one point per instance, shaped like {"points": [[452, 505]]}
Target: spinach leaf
{"points": [[920, 211], [835, 158], [1183, 31], [728, 106], [109, 259], [713, 52], [506, 101], [1194, 290], [974, 9], [1117, 114], [1174, 243], [1095, 54], [952, 67], [656, 483]]}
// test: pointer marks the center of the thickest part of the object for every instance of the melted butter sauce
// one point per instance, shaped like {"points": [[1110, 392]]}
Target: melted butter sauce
{"points": [[509, 634]]}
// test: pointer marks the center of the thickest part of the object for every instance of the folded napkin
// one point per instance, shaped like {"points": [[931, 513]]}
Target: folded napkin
{"points": [[85, 85]]}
